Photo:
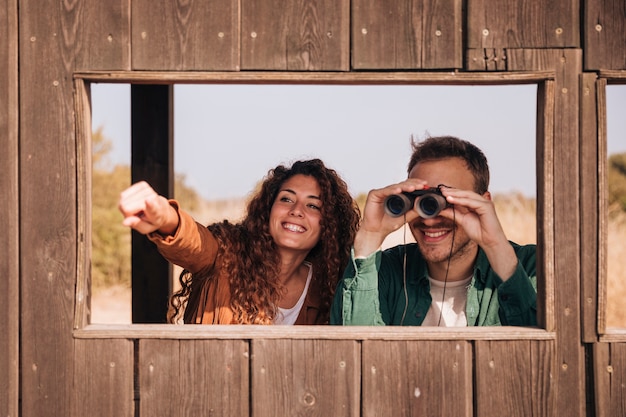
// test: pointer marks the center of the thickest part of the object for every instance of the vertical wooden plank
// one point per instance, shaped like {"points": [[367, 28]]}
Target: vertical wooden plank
{"points": [[222, 366], [9, 210], [193, 378], [82, 313], [567, 65], [47, 49], [605, 34], [152, 156], [159, 380], [103, 378], [295, 35], [602, 202], [407, 34], [589, 207], [515, 376], [545, 205], [104, 36], [305, 377], [185, 35], [617, 372], [523, 24], [602, 379], [417, 378]]}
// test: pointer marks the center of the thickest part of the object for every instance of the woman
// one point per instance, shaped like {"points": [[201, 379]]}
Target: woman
{"points": [[279, 265]]}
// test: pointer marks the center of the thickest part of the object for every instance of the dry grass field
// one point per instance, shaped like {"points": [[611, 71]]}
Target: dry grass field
{"points": [[517, 215], [616, 285]]}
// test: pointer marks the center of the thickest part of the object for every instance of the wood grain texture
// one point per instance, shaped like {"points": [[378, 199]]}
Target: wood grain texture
{"points": [[605, 34], [486, 59], [602, 379], [55, 369], [406, 34], [603, 203], [568, 68], [104, 35], [609, 371], [523, 24], [516, 377], [305, 377], [9, 210], [48, 45], [617, 374], [417, 378], [327, 78], [82, 308], [103, 378], [166, 331], [185, 35], [589, 207], [193, 378], [295, 35], [545, 205]]}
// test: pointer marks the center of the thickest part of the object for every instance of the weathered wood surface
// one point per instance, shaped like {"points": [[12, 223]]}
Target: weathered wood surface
{"points": [[591, 145], [407, 34], [406, 378], [156, 331], [523, 24], [567, 65], [305, 377], [516, 377], [9, 211], [545, 204], [295, 35], [609, 369], [185, 35], [605, 34], [82, 306], [102, 34], [102, 380], [48, 46], [310, 39], [193, 378]]}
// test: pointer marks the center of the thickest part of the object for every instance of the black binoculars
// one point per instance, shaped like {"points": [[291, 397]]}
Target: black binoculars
{"points": [[427, 202]]}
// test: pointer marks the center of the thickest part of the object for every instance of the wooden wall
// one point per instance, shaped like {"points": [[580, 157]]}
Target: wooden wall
{"points": [[9, 212], [54, 365]]}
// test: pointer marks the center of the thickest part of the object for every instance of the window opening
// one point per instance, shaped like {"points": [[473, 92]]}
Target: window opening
{"points": [[616, 171], [226, 138]]}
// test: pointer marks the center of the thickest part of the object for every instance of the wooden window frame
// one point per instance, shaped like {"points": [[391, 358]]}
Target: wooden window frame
{"points": [[545, 81], [604, 78]]}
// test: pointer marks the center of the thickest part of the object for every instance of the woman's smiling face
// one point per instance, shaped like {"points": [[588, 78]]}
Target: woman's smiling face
{"points": [[296, 214]]}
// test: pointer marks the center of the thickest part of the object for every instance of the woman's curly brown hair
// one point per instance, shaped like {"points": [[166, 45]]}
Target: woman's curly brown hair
{"points": [[248, 252]]}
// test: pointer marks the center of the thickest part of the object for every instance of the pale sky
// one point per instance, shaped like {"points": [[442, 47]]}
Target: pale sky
{"points": [[228, 136]]}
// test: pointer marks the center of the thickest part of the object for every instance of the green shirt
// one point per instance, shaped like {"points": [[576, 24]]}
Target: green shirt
{"points": [[372, 293]]}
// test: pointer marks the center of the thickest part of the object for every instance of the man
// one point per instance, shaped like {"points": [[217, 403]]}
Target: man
{"points": [[462, 270]]}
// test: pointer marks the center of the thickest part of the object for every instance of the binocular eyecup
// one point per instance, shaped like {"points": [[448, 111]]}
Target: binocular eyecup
{"points": [[427, 202]]}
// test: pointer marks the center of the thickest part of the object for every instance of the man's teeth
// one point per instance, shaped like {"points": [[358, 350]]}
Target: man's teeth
{"points": [[294, 227], [434, 234]]}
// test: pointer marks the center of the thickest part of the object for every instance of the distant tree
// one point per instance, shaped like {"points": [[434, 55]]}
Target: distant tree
{"points": [[110, 240], [617, 180], [187, 196]]}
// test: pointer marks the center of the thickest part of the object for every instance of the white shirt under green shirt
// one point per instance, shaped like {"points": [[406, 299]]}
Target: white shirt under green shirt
{"points": [[448, 306]]}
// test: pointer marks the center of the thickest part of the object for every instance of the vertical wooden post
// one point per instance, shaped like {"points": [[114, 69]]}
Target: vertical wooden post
{"points": [[152, 161]]}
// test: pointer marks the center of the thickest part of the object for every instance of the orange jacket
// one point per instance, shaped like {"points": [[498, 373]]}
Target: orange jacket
{"points": [[194, 248]]}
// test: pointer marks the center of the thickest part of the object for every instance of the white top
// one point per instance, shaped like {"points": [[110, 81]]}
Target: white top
{"points": [[450, 309], [289, 315]]}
